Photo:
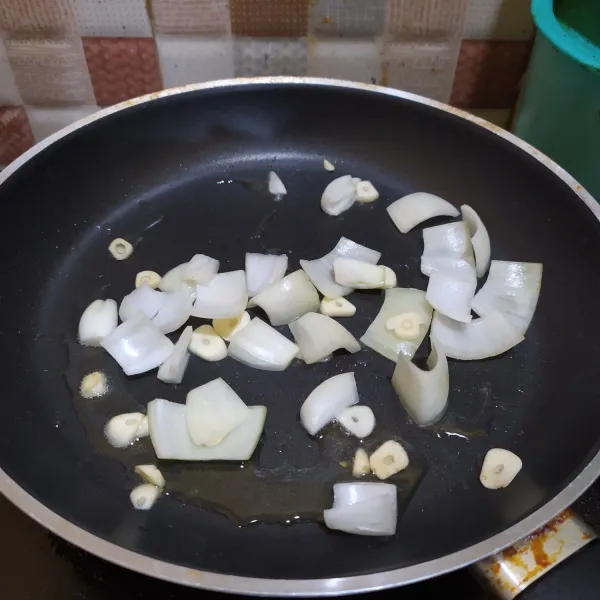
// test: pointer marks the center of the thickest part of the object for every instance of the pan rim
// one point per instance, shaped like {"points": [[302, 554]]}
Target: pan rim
{"points": [[333, 586]]}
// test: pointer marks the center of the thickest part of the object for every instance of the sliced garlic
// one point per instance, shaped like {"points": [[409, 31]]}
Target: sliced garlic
{"points": [[340, 307], [120, 249], [499, 468], [328, 166], [143, 429], [208, 344], [356, 180], [227, 328], [361, 466], [150, 278], [93, 385], [366, 192], [121, 430], [389, 459], [151, 474], [358, 420], [406, 326], [358, 274], [144, 496]]}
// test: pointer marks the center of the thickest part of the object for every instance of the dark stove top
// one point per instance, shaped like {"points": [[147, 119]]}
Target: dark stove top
{"points": [[39, 566]]}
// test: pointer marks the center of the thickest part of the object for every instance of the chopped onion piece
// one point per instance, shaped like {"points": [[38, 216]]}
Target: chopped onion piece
{"points": [[424, 394], [171, 439], [173, 369], [144, 299], [200, 270], [480, 239], [98, 320], [120, 249], [176, 309], [339, 195], [207, 344], [144, 496], [227, 328], [358, 420], [319, 336], [481, 338], [451, 293], [512, 288], [366, 192], [499, 468], [276, 186], [328, 400], [171, 281], [121, 431], [320, 270], [340, 307], [263, 271], [360, 275], [138, 345], [223, 297], [288, 299], [447, 247], [151, 474], [363, 508], [212, 411], [328, 165], [360, 464], [398, 301], [261, 346], [410, 211], [390, 458], [93, 385], [149, 278]]}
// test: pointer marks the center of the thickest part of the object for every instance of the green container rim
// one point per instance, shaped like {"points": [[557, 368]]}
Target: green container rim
{"points": [[566, 40]]}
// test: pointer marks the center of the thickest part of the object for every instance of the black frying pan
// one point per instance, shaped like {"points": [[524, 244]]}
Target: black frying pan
{"points": [[181, 174]]}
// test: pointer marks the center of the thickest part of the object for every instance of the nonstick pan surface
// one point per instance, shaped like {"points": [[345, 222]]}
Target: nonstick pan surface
{"points": [[183, 174]]}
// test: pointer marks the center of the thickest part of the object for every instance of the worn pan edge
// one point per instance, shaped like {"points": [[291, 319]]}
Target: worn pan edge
{"points": [[313, 587]]}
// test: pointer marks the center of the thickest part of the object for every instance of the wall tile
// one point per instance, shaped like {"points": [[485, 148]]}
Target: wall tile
{"points": [[254, 57], [489, 73], [50, 71], [347, 18], [209, 17], [269, 18], [192, 59], [36, 16], [499, 19], [426, 69], [45, 121], [122, 68], [123, 18], [15, 133], [355, 60], [9, 93], [434, 20]]}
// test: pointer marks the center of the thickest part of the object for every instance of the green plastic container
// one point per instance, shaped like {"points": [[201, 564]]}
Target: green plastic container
{"points": [[559, 107]]}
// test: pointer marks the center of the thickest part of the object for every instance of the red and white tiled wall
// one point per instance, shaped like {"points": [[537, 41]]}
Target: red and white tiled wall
{"points": [[61, 60]]}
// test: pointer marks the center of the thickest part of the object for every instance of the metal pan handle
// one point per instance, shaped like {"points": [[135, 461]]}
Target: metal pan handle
{"points": [[509, 572]]}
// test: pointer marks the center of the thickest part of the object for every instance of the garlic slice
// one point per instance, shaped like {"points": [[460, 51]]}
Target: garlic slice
{"points": [[359, 420], [143, 429], [499, 468], [144, 496], [121, 430], [208, 344], [150, 278], [366, 192], [120, 249], [361, 275], [390, 458], [406, 326], [328, 165], [340, 307], [227, 328], [360, 464], [151, 474], [93, 385]]}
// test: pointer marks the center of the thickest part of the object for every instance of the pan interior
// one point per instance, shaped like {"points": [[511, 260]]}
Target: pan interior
{"points": [[172, 176]]}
